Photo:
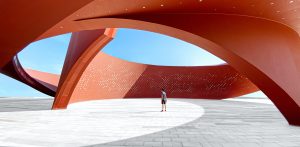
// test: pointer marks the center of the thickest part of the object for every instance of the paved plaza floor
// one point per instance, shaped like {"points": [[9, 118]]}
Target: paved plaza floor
{"points": [[237, 122]]}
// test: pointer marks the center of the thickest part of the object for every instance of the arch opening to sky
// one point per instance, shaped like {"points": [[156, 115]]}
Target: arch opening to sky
{"points": [[129, 44]]}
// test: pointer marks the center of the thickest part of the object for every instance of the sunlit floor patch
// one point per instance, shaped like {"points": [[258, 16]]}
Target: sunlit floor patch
{"points": [[94, 122]]}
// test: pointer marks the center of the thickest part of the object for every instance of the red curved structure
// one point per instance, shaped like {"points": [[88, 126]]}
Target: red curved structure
{"points": [[44, 77], [104, 77], [15, 70], [83, 47], [108, 77], [259, 38]]}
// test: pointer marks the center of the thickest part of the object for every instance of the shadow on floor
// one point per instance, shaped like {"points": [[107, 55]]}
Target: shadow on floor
{"points": [[225, 123], [23, 104]]}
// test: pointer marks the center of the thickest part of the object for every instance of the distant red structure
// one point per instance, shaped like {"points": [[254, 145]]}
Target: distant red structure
{"points": [[258, 39], [109, 77]]}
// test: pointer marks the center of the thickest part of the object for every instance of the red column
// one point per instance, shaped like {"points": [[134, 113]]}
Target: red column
{"points": [[83, 47]]}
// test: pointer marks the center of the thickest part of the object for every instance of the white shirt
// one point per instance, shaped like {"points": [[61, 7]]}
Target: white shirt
{"points": [[164, 95]]}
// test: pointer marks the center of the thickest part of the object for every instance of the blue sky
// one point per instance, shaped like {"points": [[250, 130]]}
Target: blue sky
{"points": [[132, 45]]}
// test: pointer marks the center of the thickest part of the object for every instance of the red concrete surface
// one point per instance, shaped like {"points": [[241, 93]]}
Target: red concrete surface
{"points": [[49, 79], [108, 77], [24, 21], [258, 38]]}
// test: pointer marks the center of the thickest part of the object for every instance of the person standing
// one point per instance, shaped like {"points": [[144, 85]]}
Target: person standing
{"points": [[163, 100]]}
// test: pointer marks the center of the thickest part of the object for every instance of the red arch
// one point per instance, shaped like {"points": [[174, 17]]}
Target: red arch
{"points": [[246, 42], [263, 45]]}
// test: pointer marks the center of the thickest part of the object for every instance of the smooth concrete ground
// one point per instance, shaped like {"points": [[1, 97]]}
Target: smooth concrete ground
{"points": [[138, 122]]}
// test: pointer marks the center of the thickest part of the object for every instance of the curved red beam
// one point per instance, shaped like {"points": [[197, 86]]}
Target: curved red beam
{"points": [[83, 47], [263, 45], [15, 70], [25, 22], [49, 79]]}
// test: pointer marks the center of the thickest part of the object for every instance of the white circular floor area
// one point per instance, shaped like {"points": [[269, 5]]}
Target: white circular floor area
{"points": [[94, 122]]}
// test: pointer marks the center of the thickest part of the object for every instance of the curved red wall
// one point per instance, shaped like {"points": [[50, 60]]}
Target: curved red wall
{"points": [[109, 77]]}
